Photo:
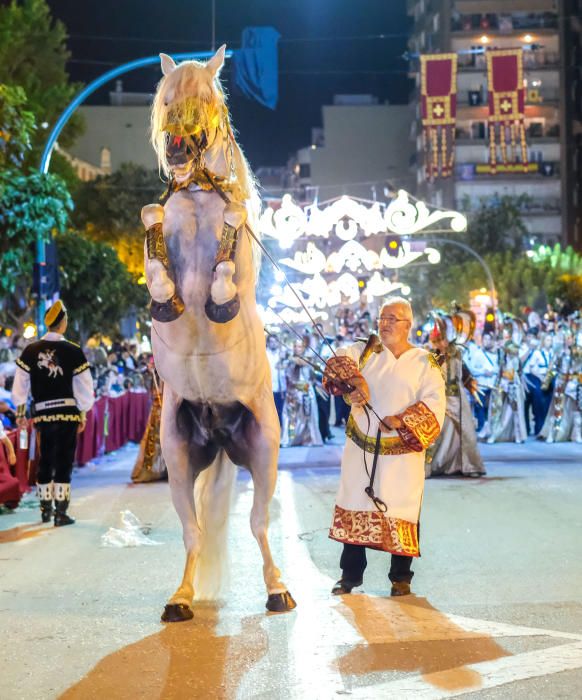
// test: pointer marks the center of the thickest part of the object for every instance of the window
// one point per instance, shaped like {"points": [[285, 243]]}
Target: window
{"points": [[304, 170], [535, 129], [478, 130]]}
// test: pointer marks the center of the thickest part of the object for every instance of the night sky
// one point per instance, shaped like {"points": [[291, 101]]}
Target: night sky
{"points": [[326, 47]]}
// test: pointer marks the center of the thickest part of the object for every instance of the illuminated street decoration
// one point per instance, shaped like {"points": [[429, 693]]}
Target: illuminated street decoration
{"points": [[350, 222], [319, 294], [354, 256], [344, 217]]}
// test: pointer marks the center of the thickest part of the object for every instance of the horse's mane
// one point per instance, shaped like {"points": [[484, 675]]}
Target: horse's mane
{"points": [[190, 80], [207, 100]]}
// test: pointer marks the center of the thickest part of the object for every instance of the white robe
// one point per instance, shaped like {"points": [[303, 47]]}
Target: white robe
{"points": [[397, 385]]}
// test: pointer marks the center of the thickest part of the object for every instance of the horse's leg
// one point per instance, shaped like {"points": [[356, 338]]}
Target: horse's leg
{"points": [[181, 477], [263, 467]]}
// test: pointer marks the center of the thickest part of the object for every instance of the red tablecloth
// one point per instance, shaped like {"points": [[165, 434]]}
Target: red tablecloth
{"points": [[111, 423], [10, 490]]}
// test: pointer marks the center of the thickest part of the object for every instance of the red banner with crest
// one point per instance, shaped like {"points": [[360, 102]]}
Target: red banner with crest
{"points": [[506, 106], [438, 95]]}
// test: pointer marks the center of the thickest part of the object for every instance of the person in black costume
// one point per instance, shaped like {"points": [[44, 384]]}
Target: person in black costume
{"points": [[56, 373]]}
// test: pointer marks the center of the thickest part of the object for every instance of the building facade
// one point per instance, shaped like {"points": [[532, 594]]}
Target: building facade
{"points": [[362, 148], [467, 27]]}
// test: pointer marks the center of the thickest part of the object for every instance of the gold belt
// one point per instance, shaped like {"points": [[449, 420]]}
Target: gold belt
{"points": [[388, 445]]}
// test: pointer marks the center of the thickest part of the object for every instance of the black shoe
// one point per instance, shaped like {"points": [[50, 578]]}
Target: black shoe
{"points": [[343, 587], [46, 511], [61, 517]]}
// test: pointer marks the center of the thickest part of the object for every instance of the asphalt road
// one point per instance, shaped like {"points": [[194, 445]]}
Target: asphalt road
{"points": [[497, 610]]}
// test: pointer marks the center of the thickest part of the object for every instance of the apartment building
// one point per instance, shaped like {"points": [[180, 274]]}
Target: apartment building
{"points": [[467, 27]]}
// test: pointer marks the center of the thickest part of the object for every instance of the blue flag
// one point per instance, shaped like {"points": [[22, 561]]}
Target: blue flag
{"points": [[255, 65]]}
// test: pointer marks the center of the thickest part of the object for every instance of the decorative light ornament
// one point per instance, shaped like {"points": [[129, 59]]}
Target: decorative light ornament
{"points": [[345, 216], [354, 256], [406, 218]]}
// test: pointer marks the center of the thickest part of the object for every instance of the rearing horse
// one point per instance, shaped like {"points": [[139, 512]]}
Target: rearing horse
{"points": [[207, 338]]}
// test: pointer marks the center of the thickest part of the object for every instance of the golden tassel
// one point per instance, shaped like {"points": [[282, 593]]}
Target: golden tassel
{"points": [[435, 152], [502, 143], [492, 149], [523, 146], [444, 168], [452, 149]]}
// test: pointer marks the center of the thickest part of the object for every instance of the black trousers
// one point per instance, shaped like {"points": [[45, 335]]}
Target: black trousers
{"points": [[279, 397], [342, 411], [58, 442], [353, 563], [323, 409], [481, 410]]}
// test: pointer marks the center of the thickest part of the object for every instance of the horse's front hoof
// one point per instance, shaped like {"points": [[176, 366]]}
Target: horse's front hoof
{"points": [[177, 612], [280, 602]]}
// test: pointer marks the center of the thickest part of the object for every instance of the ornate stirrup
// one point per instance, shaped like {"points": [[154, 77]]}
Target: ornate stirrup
{"points": [[173, 307], [223, 302]]}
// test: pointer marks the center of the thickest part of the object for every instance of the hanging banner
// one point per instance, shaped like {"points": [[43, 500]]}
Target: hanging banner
{"points": [[438, 95], [506, 106]]}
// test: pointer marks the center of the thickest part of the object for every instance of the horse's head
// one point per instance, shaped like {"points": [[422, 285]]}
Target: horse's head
{"points": [[189, 114]]}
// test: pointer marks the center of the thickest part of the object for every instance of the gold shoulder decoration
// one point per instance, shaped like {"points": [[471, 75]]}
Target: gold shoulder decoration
{"points": [[373, 345]]}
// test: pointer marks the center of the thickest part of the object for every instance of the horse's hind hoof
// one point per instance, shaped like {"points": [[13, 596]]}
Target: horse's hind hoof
{"points": [[280, 602], [177, 613]]}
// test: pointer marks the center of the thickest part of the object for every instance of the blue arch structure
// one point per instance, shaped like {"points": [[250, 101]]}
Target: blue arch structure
{"points": [[66, 115]]}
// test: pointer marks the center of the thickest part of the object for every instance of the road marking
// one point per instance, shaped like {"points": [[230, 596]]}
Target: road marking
{"points": [[325, 627], [490, 674]]}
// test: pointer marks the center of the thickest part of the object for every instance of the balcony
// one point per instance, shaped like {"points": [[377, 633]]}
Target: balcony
{"points": [[548, 206], [535, 132], [482, 171], [533, 96], [532, 60], [504, 23]]}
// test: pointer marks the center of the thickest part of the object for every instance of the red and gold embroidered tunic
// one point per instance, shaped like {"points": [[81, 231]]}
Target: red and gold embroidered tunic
{"points": [[412, 387]]}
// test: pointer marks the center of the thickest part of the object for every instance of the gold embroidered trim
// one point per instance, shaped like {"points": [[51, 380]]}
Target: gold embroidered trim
{"points": [[376, 530], [420, 428], [156, 245], [53, 418], [81, 368], [388, 445], [227, 245], [22, 365]]}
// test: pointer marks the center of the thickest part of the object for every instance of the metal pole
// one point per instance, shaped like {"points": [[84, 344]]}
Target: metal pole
{"points": [[213, 25], [59, 126]]}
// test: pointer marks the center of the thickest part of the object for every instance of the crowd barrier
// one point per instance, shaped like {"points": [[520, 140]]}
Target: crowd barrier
{"points": [[111, 423]]}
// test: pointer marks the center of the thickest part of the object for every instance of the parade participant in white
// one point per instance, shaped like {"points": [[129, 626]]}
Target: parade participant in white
{"points": [[484, 366], [405, 385]]}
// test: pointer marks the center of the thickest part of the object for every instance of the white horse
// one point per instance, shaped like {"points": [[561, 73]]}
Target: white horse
{"points": [[208, 340]]}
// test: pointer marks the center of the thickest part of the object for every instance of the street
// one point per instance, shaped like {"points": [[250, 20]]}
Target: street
{"points": [[496, 610]]}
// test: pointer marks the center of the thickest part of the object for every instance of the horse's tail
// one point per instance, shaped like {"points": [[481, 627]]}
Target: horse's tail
{"points": [[213, 492]]}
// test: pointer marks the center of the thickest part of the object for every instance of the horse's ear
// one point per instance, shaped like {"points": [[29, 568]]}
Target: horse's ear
{"points": [[216, 62], [168, 64]]}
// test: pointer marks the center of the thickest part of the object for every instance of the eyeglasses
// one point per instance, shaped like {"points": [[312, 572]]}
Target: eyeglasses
{"points": [[386, 320]]}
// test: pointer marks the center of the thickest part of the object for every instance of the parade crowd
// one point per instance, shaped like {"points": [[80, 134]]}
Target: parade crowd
{"points": [[516, 377]]}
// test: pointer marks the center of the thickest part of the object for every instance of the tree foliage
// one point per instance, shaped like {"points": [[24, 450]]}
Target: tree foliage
{"points": [[96, 287], [496, 225], [519, 280], [108, 210], [28, 204], [33, 56], [17, 127]]}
